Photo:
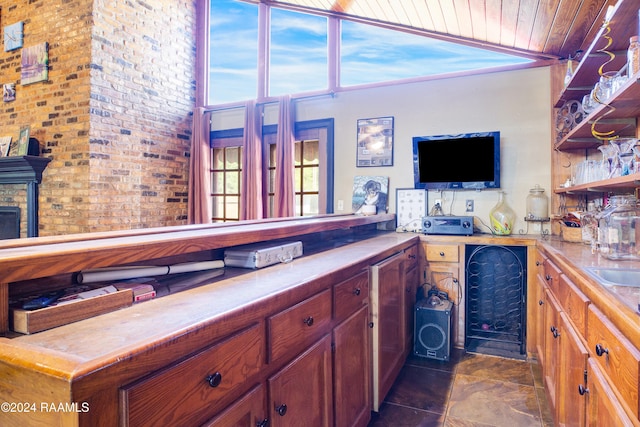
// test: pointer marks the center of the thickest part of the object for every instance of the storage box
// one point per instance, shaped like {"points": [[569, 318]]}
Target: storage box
{"points": [[571, 234], [262, 254], [32, 321]]}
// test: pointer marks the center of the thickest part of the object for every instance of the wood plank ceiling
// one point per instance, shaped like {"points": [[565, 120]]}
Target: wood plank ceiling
{"points": [[539, 29]]}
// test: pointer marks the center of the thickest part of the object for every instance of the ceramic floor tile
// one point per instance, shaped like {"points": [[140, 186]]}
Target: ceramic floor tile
{"points": [[422, 388], [496, 368], [494, 403], [401, 416]]}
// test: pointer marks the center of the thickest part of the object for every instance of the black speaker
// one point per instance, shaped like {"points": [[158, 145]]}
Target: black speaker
{"points": [[432, 329]]}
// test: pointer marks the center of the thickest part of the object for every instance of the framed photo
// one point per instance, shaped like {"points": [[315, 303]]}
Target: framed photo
{"points": [[411, 206], [23, 141], [9, 92], [370, 195], [375, 142], [35, 64], [5, 144]]}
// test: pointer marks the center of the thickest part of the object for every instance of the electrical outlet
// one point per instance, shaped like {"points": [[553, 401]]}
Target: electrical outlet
{"points": [[469, 205], [340, 205], [437, 202]]}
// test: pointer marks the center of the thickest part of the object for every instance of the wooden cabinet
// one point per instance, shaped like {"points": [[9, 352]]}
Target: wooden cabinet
{"points": [[388, 313], [442, 270], [191, 391], [352, 352], [537, 317], [412, 281], [576, 143], [570, 396], [247, 411], [603, 406], [301, 392], [550, 369]]}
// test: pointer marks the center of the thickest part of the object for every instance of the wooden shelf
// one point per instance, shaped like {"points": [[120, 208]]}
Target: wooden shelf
{"points": [[613, 184]]}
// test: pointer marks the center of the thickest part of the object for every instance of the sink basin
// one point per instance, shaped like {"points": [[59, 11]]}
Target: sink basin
{"points": [[615, 276]]}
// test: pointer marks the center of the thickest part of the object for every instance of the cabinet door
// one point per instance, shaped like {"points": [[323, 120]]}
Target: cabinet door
{"points": [[247, 411], [551, 350], [387, 300], [300, 394], [603, 408], [539, 319], [352, 372], [571, 403]]}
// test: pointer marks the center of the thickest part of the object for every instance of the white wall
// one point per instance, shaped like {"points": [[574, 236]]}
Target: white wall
{"points": [[516, 103]]}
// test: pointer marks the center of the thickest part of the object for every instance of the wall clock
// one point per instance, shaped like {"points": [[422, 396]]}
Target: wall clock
{"points": [[13, 36]]}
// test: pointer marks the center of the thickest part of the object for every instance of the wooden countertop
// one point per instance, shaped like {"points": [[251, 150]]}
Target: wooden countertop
{"points": [[76, 350]]}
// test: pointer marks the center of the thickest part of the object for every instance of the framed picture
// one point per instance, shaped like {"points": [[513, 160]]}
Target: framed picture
{"points": [[35, 64], [5, 144], [375, 142], [370, 192], [411, 206], [23, 141], [13, 36], [9, 92]]}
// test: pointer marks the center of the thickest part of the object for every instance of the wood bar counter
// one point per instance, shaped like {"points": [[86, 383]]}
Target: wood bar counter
{"points": [[148, 363]]}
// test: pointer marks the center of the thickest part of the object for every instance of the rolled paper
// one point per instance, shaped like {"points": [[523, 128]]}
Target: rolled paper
{"points": [[122, 273]]}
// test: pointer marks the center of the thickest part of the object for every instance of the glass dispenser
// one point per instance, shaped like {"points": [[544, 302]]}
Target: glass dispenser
{"points": [[619, 228], [537, 204]]}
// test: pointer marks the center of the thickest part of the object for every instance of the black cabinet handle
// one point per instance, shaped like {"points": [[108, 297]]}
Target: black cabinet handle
{"points": [[555, 332], [547, 277], [540, 302], [281, 410], [356, 291], [600, 350], [582, 390], [441, 253], [308, 321], [412, 257], [370, 324], [537, 263], [263, 423], [214, 380]]}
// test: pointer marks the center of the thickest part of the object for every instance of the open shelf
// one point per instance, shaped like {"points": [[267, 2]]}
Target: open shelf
{"points": [[613, 184]]}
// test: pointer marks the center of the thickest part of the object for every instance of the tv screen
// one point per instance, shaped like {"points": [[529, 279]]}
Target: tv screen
{"points": [[465, 161]]}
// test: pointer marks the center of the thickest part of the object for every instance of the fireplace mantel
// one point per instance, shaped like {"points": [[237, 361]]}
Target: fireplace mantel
{"points": [[25, 170]]}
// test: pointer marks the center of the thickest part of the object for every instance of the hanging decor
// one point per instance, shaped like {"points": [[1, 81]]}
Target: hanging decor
{"points": [[35, 64], [600, 91]]}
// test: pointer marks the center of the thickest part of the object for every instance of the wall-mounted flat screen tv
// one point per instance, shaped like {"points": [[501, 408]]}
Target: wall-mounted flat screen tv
{"points": [[469, 161]]}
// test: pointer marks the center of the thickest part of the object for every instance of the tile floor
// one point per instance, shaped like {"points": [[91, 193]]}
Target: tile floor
{"points": [[470, 390]]}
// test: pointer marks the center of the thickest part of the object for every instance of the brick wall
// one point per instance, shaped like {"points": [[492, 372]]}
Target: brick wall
{"points": [[114, 114]]}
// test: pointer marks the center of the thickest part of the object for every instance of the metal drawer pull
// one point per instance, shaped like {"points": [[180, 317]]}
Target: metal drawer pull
{"points": [[540, 302], [600, 350], [441, 253], [554, 331], [308, 321], [356, 291], [281, 410], [263, 423], [214, 380]]}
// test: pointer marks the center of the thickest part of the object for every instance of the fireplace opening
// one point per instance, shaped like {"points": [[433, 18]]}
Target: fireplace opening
{"points": [[9, 222], [496, 300]]}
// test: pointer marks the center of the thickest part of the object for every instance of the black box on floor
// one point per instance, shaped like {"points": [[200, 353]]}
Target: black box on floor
{"points": [[432, 329]]}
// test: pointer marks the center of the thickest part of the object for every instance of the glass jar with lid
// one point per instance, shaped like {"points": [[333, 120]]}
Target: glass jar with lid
{"points": [[537, 204], [619, 228]]}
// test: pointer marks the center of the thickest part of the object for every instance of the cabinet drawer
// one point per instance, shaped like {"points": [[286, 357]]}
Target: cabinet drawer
{"points": [[351, 295], [574, 303], [551, 274], [296, 328], [616, 356], [448, 253], [191, 391]]}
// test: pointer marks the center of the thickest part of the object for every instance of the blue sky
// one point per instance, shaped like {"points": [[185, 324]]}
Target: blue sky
{"points": [[369, 54]]}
